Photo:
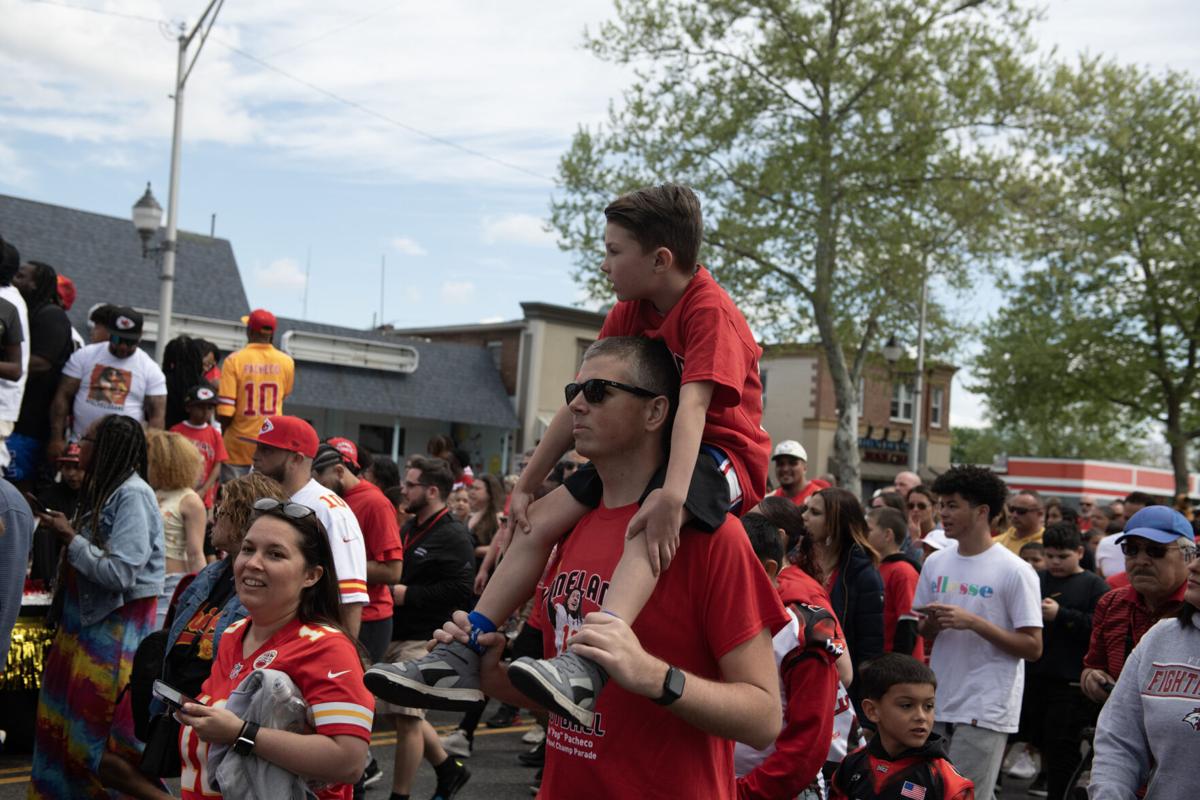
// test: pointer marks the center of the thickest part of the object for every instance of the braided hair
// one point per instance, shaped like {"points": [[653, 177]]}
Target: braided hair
{"points": [[45, 285], [183, 366], [119, 446]]}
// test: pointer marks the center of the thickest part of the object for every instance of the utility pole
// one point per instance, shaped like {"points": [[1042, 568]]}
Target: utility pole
{"points": [[914, 453], [166, 297]]}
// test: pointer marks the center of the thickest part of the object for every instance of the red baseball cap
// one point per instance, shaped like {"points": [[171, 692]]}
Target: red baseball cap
{"points": [[286, 433], [70, 454], [259, 320], [66, 292], [347, 449]]}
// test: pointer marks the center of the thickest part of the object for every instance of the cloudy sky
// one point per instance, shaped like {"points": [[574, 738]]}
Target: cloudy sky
{"points": [[423, 135]]}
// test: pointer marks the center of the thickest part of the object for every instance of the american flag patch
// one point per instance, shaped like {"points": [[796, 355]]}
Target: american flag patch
{"points": [[910, 789]]}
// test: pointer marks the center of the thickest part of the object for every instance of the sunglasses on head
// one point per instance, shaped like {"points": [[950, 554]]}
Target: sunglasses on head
{"points": [[269, 505], [594, 390], [1155, 550]]}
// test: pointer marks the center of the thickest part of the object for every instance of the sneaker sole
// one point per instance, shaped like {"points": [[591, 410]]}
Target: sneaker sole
{"points": [[401, 691], [374, 778], [458, 784], [533, 685]]}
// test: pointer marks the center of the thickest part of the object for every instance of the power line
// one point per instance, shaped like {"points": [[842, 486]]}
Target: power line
{"points": [[332, 31], [383, 117], [379, 115], [101, 11]]}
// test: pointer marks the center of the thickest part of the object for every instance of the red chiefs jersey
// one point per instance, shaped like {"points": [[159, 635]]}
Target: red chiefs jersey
{"points": [[320, 660], [801, 497], [711, 341]]}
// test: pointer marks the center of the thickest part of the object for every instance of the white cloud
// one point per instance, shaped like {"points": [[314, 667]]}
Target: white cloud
{"points": [[102, 80], [282, 273], [457, 292], [517, 229], [492, 320], [408, 247]]}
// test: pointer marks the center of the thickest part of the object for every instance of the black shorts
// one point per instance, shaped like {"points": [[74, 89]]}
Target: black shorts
{"points": [[528, 642], [707, 500]]}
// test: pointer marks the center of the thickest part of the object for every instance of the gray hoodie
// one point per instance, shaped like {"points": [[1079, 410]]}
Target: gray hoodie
{"points": [[1149, 730]]}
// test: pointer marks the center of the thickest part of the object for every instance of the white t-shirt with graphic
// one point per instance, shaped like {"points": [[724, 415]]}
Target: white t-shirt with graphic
{"points": [[345, 539], [12, 392], [978, 683], [111, 385]]}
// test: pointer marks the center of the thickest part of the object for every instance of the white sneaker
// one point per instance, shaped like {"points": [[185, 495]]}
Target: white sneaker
{"points": [[1025, 766], [535, 735], [456, 743]]}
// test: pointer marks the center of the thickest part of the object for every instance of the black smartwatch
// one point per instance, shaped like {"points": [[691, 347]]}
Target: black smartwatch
{"points": [[245, 741], [672, 688]]}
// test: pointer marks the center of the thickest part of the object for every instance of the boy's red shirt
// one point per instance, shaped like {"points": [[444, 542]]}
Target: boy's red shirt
{"points": [[711, 341]]}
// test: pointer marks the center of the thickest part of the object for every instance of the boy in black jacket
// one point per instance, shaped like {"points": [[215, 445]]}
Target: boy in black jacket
{"points": [[906, 759], [1055, 711]]}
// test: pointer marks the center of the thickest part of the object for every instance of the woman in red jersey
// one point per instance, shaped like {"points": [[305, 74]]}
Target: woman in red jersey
{"points": [[285, 578]]}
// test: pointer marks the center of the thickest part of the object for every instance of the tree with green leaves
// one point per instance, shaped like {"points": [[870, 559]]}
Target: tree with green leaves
{"points": [[1103, 333], [844, 150]]}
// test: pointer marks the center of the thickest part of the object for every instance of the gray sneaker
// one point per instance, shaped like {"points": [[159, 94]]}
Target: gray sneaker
{"points": [[567, 685], [447, 679]]}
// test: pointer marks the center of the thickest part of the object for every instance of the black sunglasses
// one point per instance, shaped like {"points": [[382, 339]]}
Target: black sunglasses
{"points": [[594, 390], [1154, 549], [269, 505]]}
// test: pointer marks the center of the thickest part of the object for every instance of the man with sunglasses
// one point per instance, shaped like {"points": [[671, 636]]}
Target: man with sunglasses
{"points": [[115, 376], [1027, 513], [695, 671], [1158, 543], [438, 570]]}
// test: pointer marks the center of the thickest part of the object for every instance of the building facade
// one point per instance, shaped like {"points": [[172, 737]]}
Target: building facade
{"points": [[799, 403], [536, 357]]}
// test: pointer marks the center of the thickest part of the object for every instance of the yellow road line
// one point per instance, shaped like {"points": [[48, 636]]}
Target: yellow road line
{"points": [[377, 740]]}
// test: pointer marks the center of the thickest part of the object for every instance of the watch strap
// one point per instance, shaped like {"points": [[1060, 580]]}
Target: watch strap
{"points": [[672, 688], [245, 740]]}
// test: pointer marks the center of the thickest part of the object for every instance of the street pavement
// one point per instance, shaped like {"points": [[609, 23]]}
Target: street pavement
{"points": [[496, 775]]}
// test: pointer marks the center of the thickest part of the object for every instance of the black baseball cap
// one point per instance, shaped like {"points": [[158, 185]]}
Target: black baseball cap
{"points": [[125, 322], [202, 394]]}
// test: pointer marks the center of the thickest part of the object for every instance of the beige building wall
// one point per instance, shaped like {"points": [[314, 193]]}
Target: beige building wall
{"points": [[789, 400]]}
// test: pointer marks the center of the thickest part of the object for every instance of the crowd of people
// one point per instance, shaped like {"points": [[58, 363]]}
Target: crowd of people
{"points": [[239, 602]]}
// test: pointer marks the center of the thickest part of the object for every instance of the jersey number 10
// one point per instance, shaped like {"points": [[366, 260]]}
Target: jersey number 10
{"points": [[268, 399]]}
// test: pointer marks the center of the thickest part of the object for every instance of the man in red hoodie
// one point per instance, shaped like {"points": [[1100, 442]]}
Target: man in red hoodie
{"points": [[806, 651]]}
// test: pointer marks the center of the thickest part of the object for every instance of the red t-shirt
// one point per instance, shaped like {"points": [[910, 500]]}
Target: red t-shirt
{"points": [[711, 341], [325, 667], [900, 581], [714, 597], [801, 497], [211, 444], [381, 536]]}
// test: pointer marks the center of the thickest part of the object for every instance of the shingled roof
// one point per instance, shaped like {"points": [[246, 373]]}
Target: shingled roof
{"points": [[454, 382], [103, 255]]}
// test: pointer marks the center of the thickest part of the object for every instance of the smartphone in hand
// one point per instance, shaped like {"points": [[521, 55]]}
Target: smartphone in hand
{"points": [[172, 696], [35, 504]]}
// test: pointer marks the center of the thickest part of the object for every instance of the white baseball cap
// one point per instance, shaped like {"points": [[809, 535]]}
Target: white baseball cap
{"points": [[937, 539], [790, 447]]}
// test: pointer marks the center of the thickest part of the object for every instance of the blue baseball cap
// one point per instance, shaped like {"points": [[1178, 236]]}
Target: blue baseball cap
{"points": [[1160, 524]]}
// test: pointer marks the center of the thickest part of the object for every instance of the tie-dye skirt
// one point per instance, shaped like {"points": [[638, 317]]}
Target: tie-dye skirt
{"points": [[78, 717]]}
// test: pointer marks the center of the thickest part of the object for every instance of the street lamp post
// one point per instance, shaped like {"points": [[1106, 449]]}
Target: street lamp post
{"points": [[166, 295]]}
